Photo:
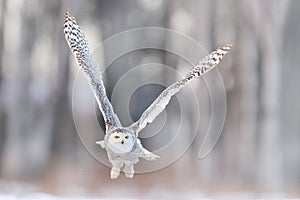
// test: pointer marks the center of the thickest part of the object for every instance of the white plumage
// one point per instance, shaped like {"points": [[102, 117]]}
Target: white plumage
{"points": [[122, 143]]}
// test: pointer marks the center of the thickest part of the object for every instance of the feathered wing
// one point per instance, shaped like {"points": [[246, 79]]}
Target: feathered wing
{"points": [[79, 47], [160, 103]]}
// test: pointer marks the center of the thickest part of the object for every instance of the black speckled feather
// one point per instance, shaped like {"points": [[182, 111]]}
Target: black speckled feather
{"points": [[79, 47], [160, 103]]}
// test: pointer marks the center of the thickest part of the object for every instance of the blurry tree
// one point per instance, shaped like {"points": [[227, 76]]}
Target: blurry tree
{"points": [[2, 110], [18, 146], [290, 97], [243, 95], [270, 42]]}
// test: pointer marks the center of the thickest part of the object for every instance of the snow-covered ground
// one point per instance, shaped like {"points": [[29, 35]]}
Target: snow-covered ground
{"points": [[10, 190], [160, 195]]}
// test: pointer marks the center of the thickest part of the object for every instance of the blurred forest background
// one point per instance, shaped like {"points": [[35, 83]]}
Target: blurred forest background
{"points": [[258, 150]]}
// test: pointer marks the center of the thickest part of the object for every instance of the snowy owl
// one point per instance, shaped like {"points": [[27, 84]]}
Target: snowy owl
{"points": [[122, 143]]}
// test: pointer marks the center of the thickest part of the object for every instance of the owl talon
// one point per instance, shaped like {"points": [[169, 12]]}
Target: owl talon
{"points": [[129, 171], [129, 174], [114, 173]]}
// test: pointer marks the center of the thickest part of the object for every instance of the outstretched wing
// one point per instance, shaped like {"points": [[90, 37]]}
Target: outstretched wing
{"points": [[79, 47], [160, 103]]}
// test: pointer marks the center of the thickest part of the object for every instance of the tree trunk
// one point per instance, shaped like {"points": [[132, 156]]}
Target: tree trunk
{"points": [[270, 151], [2, 106], [19, 107]]}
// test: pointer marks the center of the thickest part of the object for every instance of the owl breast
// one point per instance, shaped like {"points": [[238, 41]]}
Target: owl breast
{"points": [[132, 155]]}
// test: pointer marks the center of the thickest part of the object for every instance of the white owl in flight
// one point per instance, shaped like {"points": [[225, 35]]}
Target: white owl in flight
{"points": [[122, 143]]}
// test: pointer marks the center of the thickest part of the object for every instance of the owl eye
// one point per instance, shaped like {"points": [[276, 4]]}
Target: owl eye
{"points": [[126, 137], [117, 137]]}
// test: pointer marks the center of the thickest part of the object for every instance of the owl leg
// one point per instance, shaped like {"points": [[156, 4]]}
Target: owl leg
{"points": [[147, 155], [115, 170], [129, 170]]}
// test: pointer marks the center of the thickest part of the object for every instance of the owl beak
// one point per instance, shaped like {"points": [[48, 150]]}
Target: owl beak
{"points": [[122, 142]]}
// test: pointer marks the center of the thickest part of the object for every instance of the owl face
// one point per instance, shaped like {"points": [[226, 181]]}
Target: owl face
{"points": [[121, 141]]}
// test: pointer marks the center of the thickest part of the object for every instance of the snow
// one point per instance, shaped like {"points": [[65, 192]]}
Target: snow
{"points": [[164, 195], [10, 190]]}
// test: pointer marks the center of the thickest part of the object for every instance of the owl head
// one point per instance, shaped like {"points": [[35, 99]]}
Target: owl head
{"points": [[121, 140]]}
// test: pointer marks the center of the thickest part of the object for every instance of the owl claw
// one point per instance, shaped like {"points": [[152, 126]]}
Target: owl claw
{"points": [[129, 170], [129, 174], [114, 173]]}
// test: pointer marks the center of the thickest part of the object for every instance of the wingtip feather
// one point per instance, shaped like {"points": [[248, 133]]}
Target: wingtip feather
{"points": [[227, 47]]}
